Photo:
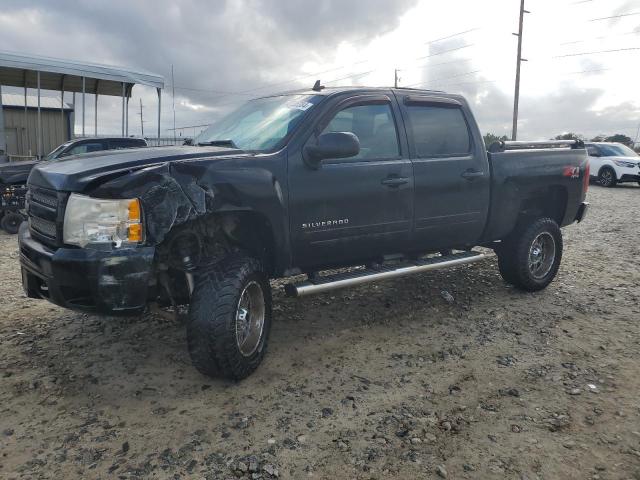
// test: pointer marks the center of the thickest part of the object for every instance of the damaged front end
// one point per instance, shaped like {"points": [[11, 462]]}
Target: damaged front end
{"points": [[190, 214], [114, 282]]}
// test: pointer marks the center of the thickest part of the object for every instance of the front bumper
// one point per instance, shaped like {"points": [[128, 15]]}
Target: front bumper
{"points": [[109, 282], [629, 177], [582, 211]]}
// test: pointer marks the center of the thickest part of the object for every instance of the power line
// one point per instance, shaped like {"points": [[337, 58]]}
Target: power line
{"points": [[588, 71], [317, 74], [249, 92], [596, 52], [379, 68], [442, 78], [614, 16], [430, 65], [600, 38], [206, 90]]}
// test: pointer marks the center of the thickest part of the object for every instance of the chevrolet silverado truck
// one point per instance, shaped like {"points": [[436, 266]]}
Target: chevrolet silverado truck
{"points": [[375, 183]]}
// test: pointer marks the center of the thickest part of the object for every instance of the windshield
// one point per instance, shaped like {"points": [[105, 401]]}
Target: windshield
{"points": [[260, 124], [616, 150], [55, 152]]}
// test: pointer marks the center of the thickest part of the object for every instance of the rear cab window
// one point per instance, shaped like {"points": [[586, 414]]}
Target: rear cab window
{"points": [[126, 143], [438, 130]]}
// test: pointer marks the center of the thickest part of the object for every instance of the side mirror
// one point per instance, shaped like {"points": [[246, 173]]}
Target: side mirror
{"points": [[332, 145]]}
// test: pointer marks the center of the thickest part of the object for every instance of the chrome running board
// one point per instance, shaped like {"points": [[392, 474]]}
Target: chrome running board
{"points": [[322, 284]]}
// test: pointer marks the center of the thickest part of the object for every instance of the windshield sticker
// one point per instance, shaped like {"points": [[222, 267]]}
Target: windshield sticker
{"points": [[300, 105]]}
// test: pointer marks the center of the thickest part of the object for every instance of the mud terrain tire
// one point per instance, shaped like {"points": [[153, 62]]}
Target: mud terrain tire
{"points": [[530, 258], [229, 317]]}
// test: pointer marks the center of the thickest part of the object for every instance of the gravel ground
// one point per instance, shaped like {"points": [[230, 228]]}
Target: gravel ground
{"points": [[390, 380]]}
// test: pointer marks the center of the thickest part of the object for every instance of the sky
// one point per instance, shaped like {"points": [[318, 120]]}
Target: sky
{"points": [[226, 52]]}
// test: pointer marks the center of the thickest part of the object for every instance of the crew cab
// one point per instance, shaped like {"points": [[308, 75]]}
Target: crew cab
{"points": [[613, 163], [394, 181]]}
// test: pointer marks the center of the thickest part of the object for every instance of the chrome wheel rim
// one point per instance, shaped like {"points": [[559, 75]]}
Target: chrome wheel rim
{"points": [[606, 178], [250, 318], [542, 254]]}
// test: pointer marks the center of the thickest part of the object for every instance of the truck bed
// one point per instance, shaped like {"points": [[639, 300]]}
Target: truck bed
{"points": [[556, 171]]}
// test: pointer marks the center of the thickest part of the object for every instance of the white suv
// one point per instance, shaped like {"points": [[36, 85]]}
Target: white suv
{"points": [[613, 163]]}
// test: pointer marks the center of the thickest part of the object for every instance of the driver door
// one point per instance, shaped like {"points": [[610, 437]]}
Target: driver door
{"points": [[354, 208]]}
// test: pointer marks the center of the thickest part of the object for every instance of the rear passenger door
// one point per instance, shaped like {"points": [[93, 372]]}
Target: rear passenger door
{"points": [[451, 173]]}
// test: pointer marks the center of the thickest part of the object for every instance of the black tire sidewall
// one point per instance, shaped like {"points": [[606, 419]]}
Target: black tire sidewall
{"points": [[211, 330], [523, 277], [11, 222], [613, 177]]}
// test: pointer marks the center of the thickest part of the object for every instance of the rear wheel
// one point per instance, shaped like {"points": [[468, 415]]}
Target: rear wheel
{"points": [[11, 222], [229, 318], [530, 258], [607, 177]]}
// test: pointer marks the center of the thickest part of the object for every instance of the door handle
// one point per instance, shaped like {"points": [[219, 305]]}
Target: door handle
{"points": [[394, 181], [471, 174]]}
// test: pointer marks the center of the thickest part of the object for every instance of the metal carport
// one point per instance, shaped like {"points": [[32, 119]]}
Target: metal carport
{"points": [[45, 73]]}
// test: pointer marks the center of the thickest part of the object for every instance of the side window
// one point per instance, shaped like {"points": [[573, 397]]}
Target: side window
{"points": [[120, 144], [86, 148], [373, 125], [439, 131], [593, 151]]}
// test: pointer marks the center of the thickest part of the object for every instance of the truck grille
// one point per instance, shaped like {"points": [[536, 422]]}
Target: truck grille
{"points": [[45, 209]]}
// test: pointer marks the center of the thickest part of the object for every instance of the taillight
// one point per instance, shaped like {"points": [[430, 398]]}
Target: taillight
{"points": [[587, 172]]}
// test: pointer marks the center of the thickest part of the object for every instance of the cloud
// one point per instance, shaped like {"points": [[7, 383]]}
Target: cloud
{"points": [[228, 46], [216, 47]]}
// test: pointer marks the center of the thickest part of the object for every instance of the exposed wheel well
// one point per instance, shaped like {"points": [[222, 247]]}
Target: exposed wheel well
{"points": [[213, 236], [207, 240]]}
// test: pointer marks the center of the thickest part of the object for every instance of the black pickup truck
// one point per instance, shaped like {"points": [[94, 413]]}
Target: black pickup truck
{"points": [[387, 181]]}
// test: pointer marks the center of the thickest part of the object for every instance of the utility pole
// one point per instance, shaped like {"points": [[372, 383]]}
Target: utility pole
{"points": [[141, 120], [395, 82], [173, 100], [516, 97]]}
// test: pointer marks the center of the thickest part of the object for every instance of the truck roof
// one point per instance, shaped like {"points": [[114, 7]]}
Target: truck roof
{"points": [[327, 91]]}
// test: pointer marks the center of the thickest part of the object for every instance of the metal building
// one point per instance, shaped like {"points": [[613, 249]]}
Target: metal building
{"points": [[20, 124], [46, 73]]}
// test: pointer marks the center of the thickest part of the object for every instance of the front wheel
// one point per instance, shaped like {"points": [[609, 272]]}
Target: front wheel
{"points": [[607, 177], [530, 258], [229, 318]]}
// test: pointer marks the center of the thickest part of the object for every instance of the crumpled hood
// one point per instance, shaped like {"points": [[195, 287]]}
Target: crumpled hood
{"points": [[73, 174], [15, 172]]}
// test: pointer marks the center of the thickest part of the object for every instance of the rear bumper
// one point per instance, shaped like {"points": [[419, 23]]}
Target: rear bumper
{"points": [[108, 282], [582, 211]]}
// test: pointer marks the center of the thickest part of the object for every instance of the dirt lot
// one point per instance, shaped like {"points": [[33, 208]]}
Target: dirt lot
{"points": [[384, 381]]}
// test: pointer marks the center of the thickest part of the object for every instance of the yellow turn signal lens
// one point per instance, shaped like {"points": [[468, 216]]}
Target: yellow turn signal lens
{"points": [[135, 232], [134, 210], [135, 227]]}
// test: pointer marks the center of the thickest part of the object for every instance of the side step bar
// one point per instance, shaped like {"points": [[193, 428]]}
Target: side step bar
{"points": [[358, 277]]}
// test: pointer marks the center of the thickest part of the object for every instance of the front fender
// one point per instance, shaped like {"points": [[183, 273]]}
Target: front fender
{"points": [[175, 193]]}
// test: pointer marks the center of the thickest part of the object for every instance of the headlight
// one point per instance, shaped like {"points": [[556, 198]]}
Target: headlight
{"points": [[622, 163], [95, 220]]}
